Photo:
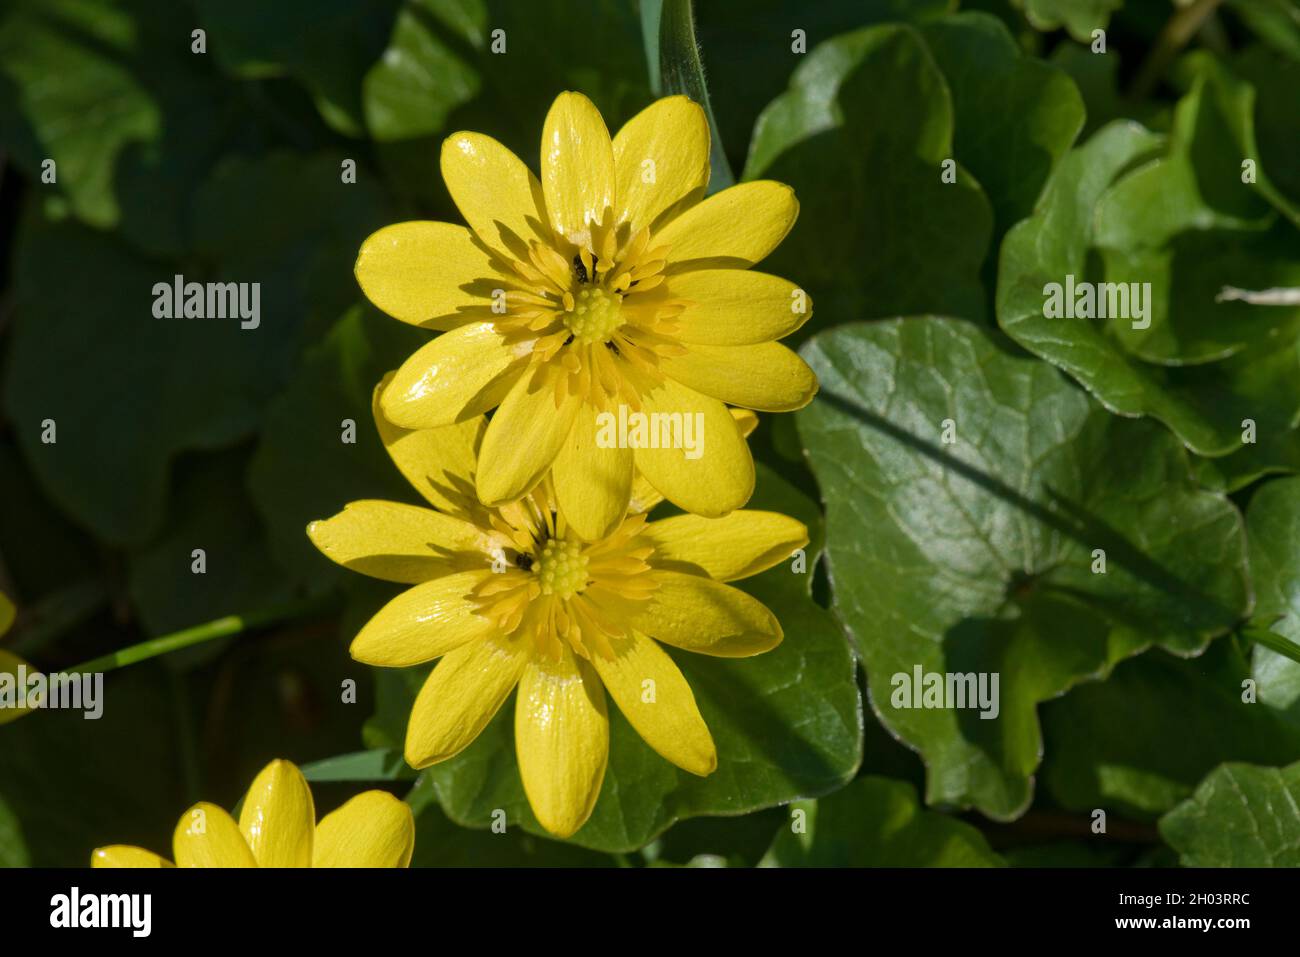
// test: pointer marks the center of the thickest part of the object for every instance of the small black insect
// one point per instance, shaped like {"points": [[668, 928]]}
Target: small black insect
{"points": [[524, 562], [579, 269]]}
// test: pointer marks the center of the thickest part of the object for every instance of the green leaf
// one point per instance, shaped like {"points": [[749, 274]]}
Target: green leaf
{"points": [[1053, 244], [680, 70], [1080, 17], [1193, 718], [750, 56], [424, 74], [211, 511], [111, 94], [325, 45], [13, 851], [787, 724], [42, 549], [126, 390], [967, 490], [865, 109], [1204, 408], [75, 784], [304, 469], [1273, 530], [441, 843], [377, 764], [303, 255], [1240, 816], [1015, 116], [1276, 22], [876, 822]]}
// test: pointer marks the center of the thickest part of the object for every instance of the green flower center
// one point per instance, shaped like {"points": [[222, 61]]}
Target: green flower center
{"points": [[595, 315], [562, 568]]}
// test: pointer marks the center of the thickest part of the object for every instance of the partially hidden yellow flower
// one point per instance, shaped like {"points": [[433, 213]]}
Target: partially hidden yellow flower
{"points": [[277, 828], [13, 667], [514, 597], [608, 283]]}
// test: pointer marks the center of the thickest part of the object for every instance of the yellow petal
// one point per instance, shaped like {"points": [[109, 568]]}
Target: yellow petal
{"points": [[403, 543], [721, 478], [439, 462], [497, 194], [561, 740], [373, 829], [767, 376], [13, 699], [661, 158], [733, 307], [423, 623], [7, 613], [278, 819], [592, 483], [577, 167], [458, 700], [657, 701], [699, 614], [645, 496], [209, 837], [736, 546], [428, 274], [523, 440], [124, 855], [736, 227], [457, 376]]}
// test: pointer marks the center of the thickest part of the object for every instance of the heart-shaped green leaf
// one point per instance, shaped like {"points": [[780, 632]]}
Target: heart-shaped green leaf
{"points": [[986, 518]]}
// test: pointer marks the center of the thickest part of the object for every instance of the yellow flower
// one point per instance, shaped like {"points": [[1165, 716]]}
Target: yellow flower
{"points": [[514, 596], [606, 283], [277, 828]]}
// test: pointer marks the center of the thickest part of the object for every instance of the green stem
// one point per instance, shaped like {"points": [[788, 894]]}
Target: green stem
{"points": [[1176, 33], [209, 631], [682, 71]]}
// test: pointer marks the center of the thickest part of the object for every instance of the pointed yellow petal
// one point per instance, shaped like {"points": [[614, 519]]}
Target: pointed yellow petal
{"points": [[732, 307], [736, 546], [457, 376], [736, 227], [577, 167], [458, 700], [497, 194], [561, 740], [767, 377], [522, 441], [695, 613], [7, 613], [423, 623], [209, 837], [278, 819], [403, 543], [593, 483], [439, 462], [645, 496], [428, 274], [721, 477], [123, 855], [657, 701], [10, 665], [661, 158], [373, 829]]}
